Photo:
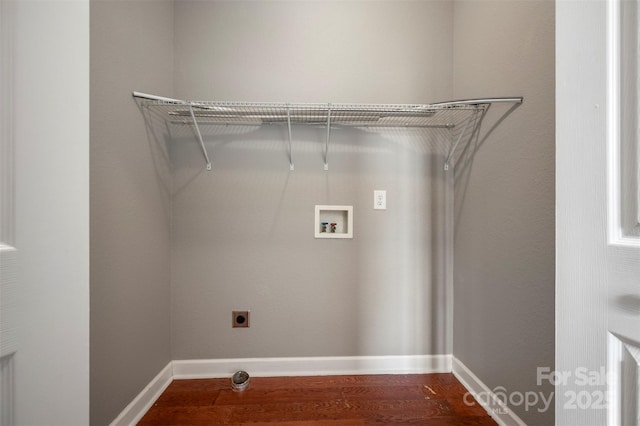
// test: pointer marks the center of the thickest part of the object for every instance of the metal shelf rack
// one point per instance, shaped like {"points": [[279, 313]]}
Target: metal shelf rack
{"points": [[462, 118]]}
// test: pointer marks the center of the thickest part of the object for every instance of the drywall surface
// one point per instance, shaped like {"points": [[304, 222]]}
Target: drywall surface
{"points": [[243, 238], [243, 233], [504, 200], [51, 73], [131, 49], [313, 51]]}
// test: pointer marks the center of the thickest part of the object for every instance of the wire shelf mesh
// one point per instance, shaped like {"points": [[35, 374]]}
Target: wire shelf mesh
{"points": [[363, 115], [461, 119]]}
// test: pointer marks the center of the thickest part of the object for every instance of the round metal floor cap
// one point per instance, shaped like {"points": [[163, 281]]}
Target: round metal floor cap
{"points": [[240, 381]]}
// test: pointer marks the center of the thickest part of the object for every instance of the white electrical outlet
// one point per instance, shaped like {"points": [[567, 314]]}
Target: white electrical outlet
{"points": [[380, 200]]}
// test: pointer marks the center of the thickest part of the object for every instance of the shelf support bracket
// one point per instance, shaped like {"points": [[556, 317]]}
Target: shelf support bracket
{"points": [[290, 150], [199, 135], [326, 144], [455, 145]]}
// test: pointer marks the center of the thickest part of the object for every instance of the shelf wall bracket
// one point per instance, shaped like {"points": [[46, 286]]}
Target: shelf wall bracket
{"points": [[199, 135], [291, 167], [326, 144], [447, 162]]}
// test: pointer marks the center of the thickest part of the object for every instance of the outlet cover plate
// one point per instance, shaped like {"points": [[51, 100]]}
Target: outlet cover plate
{"points": [[380, 199]]}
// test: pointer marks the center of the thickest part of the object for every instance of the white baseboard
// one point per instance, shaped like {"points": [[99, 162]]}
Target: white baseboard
{"points": [[313, 366], [485, 396], [318, 366], [274, 367], [145, 399]]}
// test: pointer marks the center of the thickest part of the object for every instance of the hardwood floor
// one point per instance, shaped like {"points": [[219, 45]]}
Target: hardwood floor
{"points": [[421, 399]]}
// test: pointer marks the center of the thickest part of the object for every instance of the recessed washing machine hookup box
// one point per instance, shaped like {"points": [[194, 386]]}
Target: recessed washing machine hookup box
{"points": [[334, 222]]}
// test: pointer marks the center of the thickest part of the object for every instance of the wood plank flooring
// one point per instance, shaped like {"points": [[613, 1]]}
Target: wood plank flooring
{"points": [[420, 399]]}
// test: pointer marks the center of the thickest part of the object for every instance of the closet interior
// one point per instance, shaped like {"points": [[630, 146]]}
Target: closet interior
{"points": [[236, 163]]}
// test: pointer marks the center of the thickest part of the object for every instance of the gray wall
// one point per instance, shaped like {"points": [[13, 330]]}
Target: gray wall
{"points": [[243, 238], [504, 218], [243, 233], [131, 49], [313, 51]]}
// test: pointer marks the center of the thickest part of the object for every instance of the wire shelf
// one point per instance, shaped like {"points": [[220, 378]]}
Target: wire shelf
{"points": [[462, 118]]}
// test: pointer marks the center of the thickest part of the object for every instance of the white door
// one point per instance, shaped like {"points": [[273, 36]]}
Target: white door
{"points": [[597, 373], [623, 213], [8, 253], [44, 212]]}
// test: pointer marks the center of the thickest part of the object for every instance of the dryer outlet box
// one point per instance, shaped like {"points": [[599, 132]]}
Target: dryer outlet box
{"points": [[240, 319]]}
